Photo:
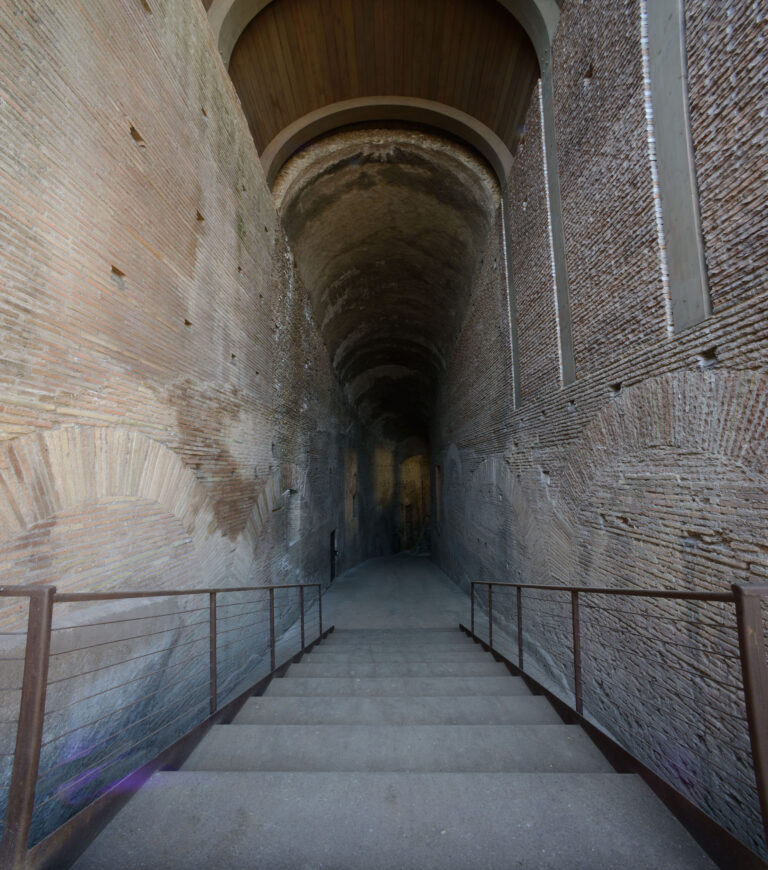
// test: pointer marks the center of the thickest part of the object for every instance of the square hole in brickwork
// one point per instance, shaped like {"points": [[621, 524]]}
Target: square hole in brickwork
{"points": [[137, 137], [708, 358], [118, 277], [615, 389]]}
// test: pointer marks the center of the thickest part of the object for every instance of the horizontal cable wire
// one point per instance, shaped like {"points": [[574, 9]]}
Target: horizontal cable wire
{"points": [[195, 675], [122, 753], [128, 619], [90, 749], [188, 625], [126, 661], [145, 676]]}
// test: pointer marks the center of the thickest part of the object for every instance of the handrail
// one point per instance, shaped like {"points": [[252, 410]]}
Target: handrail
{"points": [[32, 710], [752, 650]]}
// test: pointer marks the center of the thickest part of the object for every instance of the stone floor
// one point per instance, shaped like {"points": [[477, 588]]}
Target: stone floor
{"points": [[400, 591]]}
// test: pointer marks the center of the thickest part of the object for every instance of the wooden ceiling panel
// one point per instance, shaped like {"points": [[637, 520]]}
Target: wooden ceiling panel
{"points": [[297, 56]]}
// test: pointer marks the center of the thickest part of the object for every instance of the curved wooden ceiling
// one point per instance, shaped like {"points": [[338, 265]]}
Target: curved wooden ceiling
{"points": [[297, 56]]}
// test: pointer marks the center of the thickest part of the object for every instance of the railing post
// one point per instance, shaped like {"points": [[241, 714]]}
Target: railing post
{"points": [[301, 607], [520, 627], [213, 661], [490, 615], [576, 651], [29, 734], [472, 607], [320, 606], [271, 628], [755, 673]]}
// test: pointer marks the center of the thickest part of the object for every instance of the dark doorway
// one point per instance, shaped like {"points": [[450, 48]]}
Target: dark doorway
{"points": [[334, 553]]}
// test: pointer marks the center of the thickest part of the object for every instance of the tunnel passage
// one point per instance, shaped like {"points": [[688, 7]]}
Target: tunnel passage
{"points": [[387, 226]]}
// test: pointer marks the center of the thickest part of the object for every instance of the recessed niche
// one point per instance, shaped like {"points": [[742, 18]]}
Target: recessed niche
{"points": [[615, 388], [234, 357], [118, 276], [137, 137], [708, 358], [187, 322], [589, 74]]}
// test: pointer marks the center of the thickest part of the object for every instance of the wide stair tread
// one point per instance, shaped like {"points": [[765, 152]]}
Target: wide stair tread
{"points": [[399, 710], [309, 686], [488, 668], [410, 821], [526, 748]]}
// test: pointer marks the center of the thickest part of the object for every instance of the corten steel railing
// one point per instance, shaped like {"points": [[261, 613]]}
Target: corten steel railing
{"points": [[98, 695], [710, 658]]}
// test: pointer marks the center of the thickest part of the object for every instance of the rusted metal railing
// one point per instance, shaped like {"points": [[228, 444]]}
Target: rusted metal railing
{"points": [[750, 626], [38, 653]]}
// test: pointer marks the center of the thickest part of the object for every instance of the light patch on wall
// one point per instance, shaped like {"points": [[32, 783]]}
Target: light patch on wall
{"points": [[351, 507], [650, 131], [550, 232], [384, 477]]}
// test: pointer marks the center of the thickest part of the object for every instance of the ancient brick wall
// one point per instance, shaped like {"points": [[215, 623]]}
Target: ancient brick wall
{"points": [[605, 176], [161, 378], [649, 470], [531, 262], [726, 45], [140, 282]]}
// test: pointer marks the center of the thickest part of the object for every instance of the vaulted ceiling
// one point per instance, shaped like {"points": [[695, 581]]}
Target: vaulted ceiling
{"points": [[384, 127], [387, 226]]}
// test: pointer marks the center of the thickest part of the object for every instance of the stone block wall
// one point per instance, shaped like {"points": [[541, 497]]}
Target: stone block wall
{"points": [[649, 470]]}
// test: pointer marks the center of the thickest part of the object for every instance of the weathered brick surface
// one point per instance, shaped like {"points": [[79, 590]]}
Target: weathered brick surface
{"points": [[605, 173], [155, 431], [726, 44], [532, 262], [650, 470]]}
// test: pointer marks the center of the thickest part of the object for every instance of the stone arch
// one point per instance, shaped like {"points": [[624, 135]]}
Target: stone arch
{"points": [[389, 108], [53, 473], [652, 488]]}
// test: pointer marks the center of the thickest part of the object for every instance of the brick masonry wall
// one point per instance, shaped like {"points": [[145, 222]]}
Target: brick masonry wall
{"points": [[605, 176], [650, 470], [140, 287], [161, 378], [726, 44], [532, 261]]}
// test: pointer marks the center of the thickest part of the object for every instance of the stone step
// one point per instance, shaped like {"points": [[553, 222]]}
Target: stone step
{"points": [[380, 821], [487, 668], [430, 710], [408, 748], [457, 643], [365, 633], [320, 654], [395, 637], [408, 686]]}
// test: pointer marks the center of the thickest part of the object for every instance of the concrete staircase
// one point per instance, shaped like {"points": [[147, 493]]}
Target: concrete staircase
{"points": [[395, 749]]}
